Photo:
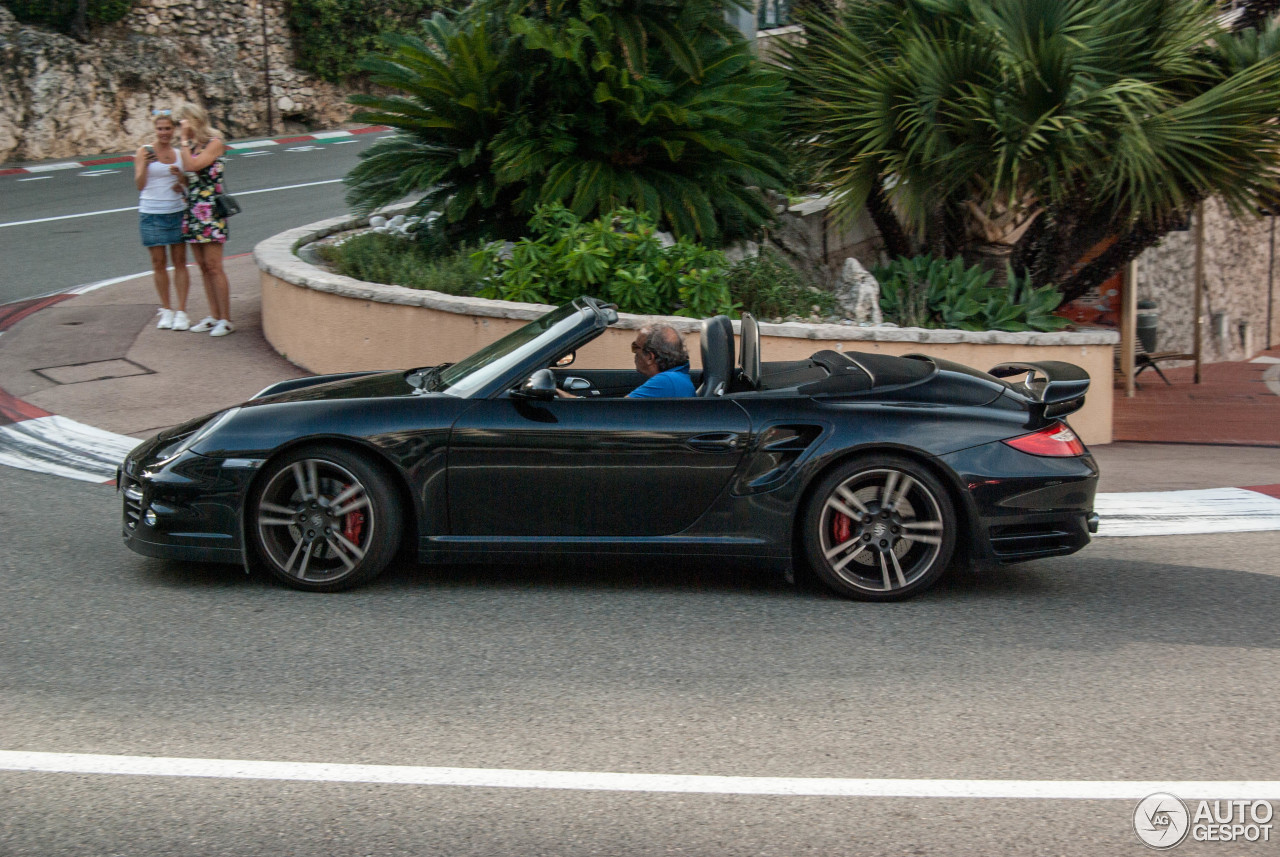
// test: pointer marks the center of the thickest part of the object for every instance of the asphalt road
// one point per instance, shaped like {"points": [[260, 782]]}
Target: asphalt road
{"points": [[280, 187], [1138, 659]]}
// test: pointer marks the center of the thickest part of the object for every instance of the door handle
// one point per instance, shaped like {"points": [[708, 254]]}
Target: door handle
{"points": [[721, 441]]}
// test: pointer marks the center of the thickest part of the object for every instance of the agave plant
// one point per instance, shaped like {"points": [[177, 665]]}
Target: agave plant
{"points": [[1031, 129]]}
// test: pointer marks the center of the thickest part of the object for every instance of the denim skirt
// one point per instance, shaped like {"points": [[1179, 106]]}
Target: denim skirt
{"points": [[161, 229]]}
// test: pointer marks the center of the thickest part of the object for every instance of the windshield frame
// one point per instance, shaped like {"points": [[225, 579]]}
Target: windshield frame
{"points": [[508, 360]]}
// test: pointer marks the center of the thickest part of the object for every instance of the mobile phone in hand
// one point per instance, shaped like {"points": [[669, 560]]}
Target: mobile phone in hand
{"points": [[151, 152]]}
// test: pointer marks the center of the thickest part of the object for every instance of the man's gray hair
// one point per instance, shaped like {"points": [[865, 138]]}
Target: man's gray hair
{"points": [[666, 346]]}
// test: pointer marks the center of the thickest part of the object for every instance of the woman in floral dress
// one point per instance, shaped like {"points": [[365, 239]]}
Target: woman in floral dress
{"points": [[201, 151]]}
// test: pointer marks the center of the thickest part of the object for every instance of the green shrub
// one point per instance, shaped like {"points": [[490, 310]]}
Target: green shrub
{"points": [[618, 258], [767, 287], [932, 293], [382, 258], [61, 14], [330, 37]]}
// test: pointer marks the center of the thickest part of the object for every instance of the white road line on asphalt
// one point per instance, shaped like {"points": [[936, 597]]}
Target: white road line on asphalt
{"points": [[48, 168], [1172, 513], [135, 208], [62, 447], [253, 144], [35, 179], [236, 769]]}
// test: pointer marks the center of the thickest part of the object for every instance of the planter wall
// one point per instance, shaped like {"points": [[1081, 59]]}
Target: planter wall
{"points": [[324, 322]]}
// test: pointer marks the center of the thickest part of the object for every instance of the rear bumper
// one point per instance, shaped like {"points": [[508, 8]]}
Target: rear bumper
{"points": [[1024, 507]]}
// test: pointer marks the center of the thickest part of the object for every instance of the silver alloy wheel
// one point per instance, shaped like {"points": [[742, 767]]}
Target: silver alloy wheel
{"points": [[881, 530], [315, 521]]}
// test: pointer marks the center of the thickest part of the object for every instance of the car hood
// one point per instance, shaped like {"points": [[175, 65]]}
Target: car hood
{"points": [[376, 385]]}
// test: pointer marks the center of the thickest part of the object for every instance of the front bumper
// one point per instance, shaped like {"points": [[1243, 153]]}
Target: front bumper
{"points": [[187, 508]]}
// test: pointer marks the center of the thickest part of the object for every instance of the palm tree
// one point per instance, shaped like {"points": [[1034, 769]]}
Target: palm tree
{"points": [[655, 105], [1033, 130]]}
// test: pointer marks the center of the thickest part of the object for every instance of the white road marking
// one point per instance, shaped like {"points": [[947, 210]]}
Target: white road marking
{"points": [[135, 208], [252, 144], [35, 179], [302, 149], [63, 447], [48, 168], [236, 769], [94, 172], [344, 142], [1211, 510], [67, 216], [254, 154]]}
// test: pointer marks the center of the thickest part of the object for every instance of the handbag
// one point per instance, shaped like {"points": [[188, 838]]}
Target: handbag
{"points": [[224, 204]]}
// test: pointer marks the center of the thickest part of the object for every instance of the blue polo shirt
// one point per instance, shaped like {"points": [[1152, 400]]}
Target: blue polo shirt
{"points": [[671, 384]]}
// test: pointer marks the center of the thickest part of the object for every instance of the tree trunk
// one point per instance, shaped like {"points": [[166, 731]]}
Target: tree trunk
{"points": [[80, 21], [896, 241], [1115, 257]]}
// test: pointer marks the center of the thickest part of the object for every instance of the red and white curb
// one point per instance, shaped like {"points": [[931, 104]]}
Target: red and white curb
{"points": [[322, 136]]}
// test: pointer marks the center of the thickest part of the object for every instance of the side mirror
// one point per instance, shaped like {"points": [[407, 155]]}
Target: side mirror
{"points": [[566, 360], [541, 386]]}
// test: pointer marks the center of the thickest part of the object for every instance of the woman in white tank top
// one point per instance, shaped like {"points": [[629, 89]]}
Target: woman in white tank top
{"points": [[161, 203]]}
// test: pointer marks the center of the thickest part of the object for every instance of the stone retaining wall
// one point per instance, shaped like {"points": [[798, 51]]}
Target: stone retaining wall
{"points": [[325, 322], [60, 98]]}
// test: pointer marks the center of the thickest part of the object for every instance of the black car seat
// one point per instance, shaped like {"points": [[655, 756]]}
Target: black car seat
{"points": [[717, 356], [750, 351]]}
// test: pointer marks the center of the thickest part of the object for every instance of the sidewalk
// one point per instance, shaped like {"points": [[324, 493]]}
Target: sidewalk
{"points": [[82, 374]]}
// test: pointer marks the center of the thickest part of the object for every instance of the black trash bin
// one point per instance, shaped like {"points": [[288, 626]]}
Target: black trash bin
{"points": [[1148, 321]]}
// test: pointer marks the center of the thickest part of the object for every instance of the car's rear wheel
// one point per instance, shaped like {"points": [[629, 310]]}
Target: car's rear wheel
{"points": [[879, 529], [323, 519]]}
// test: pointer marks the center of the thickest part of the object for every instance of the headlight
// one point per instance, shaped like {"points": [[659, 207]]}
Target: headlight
{"points": [[195, 437]]}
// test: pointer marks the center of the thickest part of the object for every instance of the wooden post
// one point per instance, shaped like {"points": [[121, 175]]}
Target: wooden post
{"points": [[1199, 298], [1129, 326]]}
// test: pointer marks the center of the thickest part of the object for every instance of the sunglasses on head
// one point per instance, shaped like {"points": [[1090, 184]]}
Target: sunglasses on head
{"points": [[161, 112]]}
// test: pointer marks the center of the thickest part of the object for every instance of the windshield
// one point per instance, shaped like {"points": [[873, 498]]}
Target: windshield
{"points": [[472, 373]]}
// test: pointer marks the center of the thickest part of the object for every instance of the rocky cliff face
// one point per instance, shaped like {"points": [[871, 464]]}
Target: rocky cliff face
{"points": [[60, 98]]}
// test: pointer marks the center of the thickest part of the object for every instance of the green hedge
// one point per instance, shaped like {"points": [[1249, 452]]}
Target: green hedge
{"points": [[60, 14], [331, 36]]}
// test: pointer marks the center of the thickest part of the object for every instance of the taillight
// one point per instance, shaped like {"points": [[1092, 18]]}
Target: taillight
{"points": [[1057, 439]]}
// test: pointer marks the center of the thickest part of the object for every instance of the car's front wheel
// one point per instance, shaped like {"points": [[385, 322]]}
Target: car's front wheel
{"points": [[323, 519], [879, 529]]}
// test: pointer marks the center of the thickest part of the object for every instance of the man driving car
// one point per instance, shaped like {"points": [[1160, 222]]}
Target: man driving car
{"points": [[662, 359]]}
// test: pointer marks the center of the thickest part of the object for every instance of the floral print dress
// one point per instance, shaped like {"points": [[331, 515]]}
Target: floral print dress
{"points": [[200, 224]]}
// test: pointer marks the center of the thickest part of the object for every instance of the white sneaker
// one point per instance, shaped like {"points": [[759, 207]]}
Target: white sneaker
{"points": [[206, 323], [180, 321], [222, 328], [166, 319]]}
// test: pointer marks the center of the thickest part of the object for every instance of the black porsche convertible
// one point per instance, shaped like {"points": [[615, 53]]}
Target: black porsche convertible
{"points": [[876, 471]]}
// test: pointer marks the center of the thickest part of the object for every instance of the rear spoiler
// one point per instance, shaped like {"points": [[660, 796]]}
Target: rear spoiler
{"points": [[1053, 388]]}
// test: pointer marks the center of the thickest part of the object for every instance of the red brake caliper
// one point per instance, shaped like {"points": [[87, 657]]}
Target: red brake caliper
{"points": [[353, 524], [841, 527]]}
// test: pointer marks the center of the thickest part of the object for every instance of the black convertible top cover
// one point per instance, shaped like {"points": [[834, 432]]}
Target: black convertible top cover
{"points": [[859, 372]]}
